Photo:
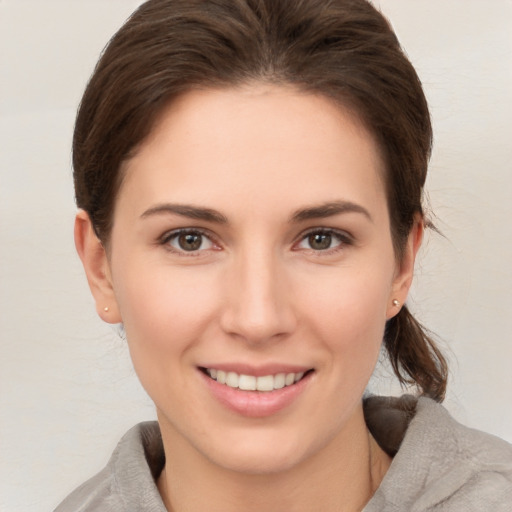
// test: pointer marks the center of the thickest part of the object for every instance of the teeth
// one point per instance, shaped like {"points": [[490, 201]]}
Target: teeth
{"points": [[252, 383], [265, 383], [246, 382], [232, 379], [279, 381]]}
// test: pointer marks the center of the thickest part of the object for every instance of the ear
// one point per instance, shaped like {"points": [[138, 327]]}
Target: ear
{"points": [[97, 268], [405, 269]]}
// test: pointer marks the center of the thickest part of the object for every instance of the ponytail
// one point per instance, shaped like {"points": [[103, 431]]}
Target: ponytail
{"points": [[414, 356]]}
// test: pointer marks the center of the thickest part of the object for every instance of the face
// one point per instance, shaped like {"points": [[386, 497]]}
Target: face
{"points": [[251, 244]]}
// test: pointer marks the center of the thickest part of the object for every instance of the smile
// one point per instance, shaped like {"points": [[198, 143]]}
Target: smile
{"points": [[253, 383]]}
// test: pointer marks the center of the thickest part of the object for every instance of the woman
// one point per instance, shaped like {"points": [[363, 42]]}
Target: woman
{"points": [[250, 177]]}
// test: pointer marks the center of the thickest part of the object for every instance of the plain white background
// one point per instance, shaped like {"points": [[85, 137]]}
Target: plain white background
{"points": [[67, 390]]}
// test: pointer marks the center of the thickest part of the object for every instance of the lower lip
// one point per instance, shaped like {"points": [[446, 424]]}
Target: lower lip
{"points": [[256, 404]]}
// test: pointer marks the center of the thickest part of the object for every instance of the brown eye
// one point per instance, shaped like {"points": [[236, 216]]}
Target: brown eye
{"points": [[320, 241], [324, 240], [188, 241]]}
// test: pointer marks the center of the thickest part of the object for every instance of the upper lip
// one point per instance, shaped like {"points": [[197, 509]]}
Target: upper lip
{"points": [[258, 371]]}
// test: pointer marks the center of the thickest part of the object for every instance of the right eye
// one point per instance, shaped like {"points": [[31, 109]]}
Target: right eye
{"points": [[187, 241]]}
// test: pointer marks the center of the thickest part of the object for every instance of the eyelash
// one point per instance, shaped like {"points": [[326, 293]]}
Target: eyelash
{"points": [[343, 238], [175, 234]]}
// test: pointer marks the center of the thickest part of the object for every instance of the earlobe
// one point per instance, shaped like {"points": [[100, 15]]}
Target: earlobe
{"points": [[405, 269], [97, 268]]}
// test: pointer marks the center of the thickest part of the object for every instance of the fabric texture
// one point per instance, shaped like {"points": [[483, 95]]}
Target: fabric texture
{"points": [[438, 466]]}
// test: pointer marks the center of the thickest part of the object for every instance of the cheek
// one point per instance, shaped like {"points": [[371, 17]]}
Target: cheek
{"points": [[351, 302], [163, 311], [165, 315], [347, 313]]}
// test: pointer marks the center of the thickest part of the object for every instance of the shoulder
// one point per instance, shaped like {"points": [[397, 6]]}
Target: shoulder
{"points": [[128, 480], [98, 493], [473, 469], [442, 465]]}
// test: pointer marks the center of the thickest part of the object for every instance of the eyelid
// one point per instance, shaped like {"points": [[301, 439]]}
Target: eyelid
{"points": [[173, 233], [344, 237]]}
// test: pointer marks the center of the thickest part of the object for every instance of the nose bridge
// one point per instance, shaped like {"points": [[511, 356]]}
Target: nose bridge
{"points": [[258, 307]]}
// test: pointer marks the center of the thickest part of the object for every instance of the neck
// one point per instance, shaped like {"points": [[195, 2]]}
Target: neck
{"points": [[342, 477]]}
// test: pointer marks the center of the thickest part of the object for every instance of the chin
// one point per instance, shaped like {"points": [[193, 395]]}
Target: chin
{"points": [[260, 454]]}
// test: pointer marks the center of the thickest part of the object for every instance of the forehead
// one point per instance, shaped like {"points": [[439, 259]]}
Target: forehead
{"points": [[266, 143]]}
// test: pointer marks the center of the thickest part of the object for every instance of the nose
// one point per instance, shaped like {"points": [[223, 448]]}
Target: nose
{"points": [[258, 305]]}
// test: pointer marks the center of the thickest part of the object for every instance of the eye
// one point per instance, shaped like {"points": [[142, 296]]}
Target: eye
{"points": [[323, 240], [187, 241]]}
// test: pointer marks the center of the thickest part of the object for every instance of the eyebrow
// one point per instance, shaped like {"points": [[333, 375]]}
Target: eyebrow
{"points": [[184, 210], [329, 210], [324, 210]]}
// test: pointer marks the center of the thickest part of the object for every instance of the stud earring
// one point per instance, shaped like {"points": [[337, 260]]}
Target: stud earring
{"points": [[396, 303], [105, 309]]}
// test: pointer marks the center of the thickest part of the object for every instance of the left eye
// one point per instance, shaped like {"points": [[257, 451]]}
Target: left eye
{"points": [[189, 241], [321, 241]]}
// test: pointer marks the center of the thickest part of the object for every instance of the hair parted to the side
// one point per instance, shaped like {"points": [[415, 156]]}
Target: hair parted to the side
{"points": [[342, 49]]}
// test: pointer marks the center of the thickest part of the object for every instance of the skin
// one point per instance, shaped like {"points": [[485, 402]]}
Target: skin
{"points": [[256, 292]]}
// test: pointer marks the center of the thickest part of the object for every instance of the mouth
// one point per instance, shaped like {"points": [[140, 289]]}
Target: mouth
{"points": [[264, 383]]}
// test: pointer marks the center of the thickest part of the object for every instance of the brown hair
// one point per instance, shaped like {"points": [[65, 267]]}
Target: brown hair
{"points": [[342, 49]]}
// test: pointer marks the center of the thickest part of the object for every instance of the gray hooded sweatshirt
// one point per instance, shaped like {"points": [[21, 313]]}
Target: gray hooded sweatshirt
{"points": [[438, 465]]}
